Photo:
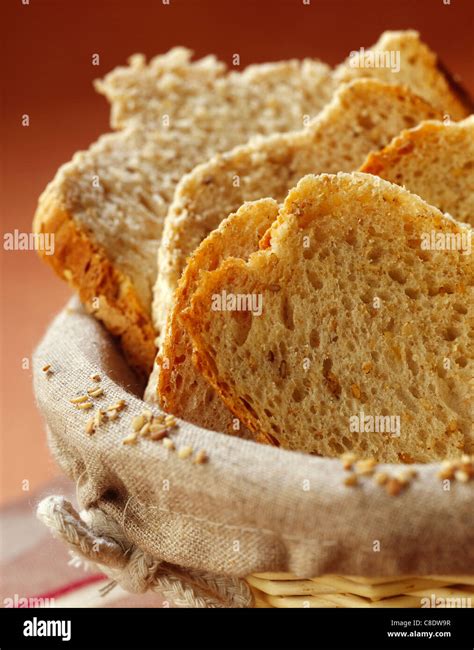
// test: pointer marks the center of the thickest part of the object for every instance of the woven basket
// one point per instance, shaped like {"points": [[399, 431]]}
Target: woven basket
{"points": [[287, 591]]}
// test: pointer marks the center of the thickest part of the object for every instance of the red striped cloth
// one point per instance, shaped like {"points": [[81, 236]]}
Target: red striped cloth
{"points": [[35, 569]]}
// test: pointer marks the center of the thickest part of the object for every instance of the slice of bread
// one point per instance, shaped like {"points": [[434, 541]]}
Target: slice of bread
{"points": [[106, 207], [338, 139], [190, 93], [184, 391], [434, 160], [343, 333], [142, 92], [400, 57]]}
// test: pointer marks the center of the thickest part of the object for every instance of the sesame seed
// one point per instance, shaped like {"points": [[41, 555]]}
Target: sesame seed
{"points": [[95, 392], [137, 422], [95, 377], [131, 439], [79, 399], [393, 487], [448, 464], [365, 466], [112, 415], [348, 459], [351, 480], [98, 417], [461, 469], [85, 405], [402, 478], [118, 406], [169, 444], [461, 475], [447, 473], [201, 458], [158, 434], [185, 452], [145, 430], [157, 426], [381, 478], [90, 426]]}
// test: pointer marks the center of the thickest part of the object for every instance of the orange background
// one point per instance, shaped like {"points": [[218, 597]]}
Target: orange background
{"points": [[47, 73]]}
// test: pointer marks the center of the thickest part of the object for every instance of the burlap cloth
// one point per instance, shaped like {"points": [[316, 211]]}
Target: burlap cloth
{"points": [[252, 507]]}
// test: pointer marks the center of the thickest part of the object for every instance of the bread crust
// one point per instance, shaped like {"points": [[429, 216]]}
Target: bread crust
{"points": [[238, 234], [398, 148], [104, 291], [459, 92], [427, 139], [192, 318]]}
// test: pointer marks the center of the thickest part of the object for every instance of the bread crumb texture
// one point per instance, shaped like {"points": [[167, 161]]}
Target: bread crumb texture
{"points": [[356, 287], [434, 160]]}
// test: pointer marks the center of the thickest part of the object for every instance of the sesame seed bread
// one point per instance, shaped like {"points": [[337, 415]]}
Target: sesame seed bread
{"points": [[107, 206], [338, 139], [356, 324], [434, 160]]}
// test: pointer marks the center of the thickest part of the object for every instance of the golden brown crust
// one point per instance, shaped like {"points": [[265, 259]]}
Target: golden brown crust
{"points": [[238, 234], [400, 146], [103, 290], [193, 319], [458, 91], [433, 160]]}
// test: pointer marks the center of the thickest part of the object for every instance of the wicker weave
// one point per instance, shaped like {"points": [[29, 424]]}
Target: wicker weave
{"points": [[286, 591]]}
